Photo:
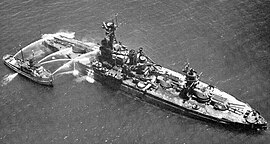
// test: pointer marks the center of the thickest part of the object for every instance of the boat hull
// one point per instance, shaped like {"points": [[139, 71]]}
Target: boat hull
{"points": [[47, 82], [162, 103]]}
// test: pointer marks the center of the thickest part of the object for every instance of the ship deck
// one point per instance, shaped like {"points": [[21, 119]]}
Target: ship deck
{"points": [[171, 97]]}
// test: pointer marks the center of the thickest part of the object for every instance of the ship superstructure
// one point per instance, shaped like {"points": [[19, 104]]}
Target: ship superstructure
{"points": [[136, 74]]}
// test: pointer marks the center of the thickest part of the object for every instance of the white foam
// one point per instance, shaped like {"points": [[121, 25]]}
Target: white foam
{"points": [[66, 34], [64, 66], [62, 51], [75, 72], [8, 78], [90, 79]]}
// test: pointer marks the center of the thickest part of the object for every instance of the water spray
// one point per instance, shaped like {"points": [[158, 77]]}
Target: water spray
{"points": [[8, 78]]}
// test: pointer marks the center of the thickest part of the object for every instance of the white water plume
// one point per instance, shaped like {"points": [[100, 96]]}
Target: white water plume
{"points": [[84, 59], [75, 72], [79, 72], [87, 57], [8, 78], [60, 52], [61, 33], [32, 45], [85, 78], [67, 68], [90, 79], [80, 79], [90, 76], [63, 67], [61, 56], [54, 60]]}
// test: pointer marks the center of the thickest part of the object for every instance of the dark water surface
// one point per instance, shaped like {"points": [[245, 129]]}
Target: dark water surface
{"points": [[227, 40]]}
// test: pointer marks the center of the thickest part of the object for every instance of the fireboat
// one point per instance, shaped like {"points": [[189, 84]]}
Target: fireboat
{"points": [[29, 69], [136, 74]]}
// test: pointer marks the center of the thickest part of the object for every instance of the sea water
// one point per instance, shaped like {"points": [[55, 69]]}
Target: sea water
{"points": [[226, 40]]}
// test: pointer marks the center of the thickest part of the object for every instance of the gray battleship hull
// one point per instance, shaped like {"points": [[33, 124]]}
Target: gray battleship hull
{"points": [[162, 103]]}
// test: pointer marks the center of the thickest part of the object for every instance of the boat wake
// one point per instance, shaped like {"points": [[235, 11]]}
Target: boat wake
{"points": [[8, 78]]}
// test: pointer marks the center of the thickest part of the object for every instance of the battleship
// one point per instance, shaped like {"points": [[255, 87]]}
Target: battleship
{"points": [[27, 68], [136, 74]]}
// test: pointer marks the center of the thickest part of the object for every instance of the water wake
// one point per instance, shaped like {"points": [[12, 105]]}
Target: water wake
{"points": [[8, 78]]}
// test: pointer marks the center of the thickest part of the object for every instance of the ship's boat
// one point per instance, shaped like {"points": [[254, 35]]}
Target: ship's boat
{"points": [[59, 42], [26, 68], [136, 74]]}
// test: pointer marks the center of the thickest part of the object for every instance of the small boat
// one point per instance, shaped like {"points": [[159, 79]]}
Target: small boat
{"points": [[26, 68], [136, 74]]}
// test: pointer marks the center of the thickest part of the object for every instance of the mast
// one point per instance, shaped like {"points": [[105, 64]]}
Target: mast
{"points": [[110, 28], [116, 22], [21, 52]]}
